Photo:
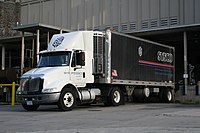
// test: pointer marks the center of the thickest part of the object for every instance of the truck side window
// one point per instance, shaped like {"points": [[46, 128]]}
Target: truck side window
{"points": [[73, 61], [78, 59]]}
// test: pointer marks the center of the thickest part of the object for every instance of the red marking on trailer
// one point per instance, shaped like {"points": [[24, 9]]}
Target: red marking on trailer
{"points": [[154, 63]]}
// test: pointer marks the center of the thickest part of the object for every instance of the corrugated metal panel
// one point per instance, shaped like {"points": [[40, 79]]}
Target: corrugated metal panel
{"points": [[24, 14], [107, 12], [189, 11], [133, 10], [145, 10], [58, 12], [48, 12], [164, 8], [124, 11], [115, 12], [197, 11], [125, 15], [154, 11]]}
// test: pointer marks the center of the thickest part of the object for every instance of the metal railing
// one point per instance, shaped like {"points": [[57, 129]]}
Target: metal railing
{"points": [[13, 85]]}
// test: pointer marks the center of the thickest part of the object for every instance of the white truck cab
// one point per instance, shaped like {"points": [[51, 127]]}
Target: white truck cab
{"points": [[67, 63]]}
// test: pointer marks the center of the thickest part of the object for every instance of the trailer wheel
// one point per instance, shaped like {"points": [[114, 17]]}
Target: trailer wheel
{"points": [[67, 99], [115, 97], [30, 107], [141, 94], [167, 96]]}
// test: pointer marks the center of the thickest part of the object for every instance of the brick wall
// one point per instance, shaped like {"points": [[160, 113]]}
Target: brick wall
{"points": [[9, 17]]}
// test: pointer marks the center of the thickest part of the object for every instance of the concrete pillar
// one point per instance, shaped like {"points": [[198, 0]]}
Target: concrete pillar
{"points": [[33, 49], [38, 44], [185, 75], [3, 58], [22, 54]]}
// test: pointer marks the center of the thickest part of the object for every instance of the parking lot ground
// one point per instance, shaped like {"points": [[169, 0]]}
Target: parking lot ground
{"points": [[129, 118]]}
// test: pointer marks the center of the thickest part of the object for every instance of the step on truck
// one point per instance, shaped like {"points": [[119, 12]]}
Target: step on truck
{"points": [[85, 67]]}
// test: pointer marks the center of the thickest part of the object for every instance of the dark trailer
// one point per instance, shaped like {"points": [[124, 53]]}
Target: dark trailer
{"points": [[147, 66]]}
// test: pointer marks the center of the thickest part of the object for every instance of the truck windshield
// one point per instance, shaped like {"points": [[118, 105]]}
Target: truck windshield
{"points": [[54, 59]]}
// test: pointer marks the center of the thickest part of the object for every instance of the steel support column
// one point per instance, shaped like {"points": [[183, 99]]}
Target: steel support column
{"points": [[185, 75], [48, 38], [33, 49], [38, 44], [3, 58], [22, 54]]}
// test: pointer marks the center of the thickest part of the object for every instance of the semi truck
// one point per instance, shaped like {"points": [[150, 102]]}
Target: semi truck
{"points": [[84, 67]]}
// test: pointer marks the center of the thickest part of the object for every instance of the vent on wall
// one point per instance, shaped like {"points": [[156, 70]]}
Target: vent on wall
{"points": [[124, 27], [164, 22], [132, 26], [116, 27], [173, 21], [145, 25], [154, 23]]}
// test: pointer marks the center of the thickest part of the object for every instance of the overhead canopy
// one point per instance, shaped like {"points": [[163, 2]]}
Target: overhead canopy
{"points": [[164, 30], [44, 28]]}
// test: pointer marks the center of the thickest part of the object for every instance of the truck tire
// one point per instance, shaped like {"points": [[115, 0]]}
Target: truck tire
{"points": [[167, 96], [141, 94], [115, 97], [30, 107], [67, 99]]}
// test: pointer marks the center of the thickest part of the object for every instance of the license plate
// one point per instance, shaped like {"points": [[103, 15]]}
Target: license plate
{"points": [[29, 102]]}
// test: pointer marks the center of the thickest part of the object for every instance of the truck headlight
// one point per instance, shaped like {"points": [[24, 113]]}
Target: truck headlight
{"points": [[49, 90]]}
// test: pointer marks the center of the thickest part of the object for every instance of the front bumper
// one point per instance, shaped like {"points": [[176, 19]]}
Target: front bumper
{"points": [[39, 98]]}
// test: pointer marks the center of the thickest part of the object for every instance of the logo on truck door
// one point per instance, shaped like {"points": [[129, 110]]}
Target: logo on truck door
{"points": [[58, 41]]}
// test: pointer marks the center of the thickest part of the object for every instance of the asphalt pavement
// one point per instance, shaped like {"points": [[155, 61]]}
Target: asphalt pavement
{"points": [[129, 118]]}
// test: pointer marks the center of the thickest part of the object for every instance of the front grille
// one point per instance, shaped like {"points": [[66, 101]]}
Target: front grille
{"points": [[31, 85]]}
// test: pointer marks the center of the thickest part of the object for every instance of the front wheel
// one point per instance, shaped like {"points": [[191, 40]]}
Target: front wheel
{"points": [[67, 99], [30, 107]]}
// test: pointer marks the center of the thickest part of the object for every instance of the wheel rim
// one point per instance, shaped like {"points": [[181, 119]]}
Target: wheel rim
{"points": [[116, 96], [169, 96], [68, 99]]}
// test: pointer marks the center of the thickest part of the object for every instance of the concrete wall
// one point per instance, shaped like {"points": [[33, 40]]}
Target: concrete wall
{"points": [[9, 16], [122, 15]]}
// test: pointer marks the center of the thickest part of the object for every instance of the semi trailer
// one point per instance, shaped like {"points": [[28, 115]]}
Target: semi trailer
{"points": [[85, 67]]}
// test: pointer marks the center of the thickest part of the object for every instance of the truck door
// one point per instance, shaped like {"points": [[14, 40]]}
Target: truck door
{"points": [[77, 69]]}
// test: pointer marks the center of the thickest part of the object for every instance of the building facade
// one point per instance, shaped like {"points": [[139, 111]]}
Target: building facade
{"points": [[122, 15]]}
